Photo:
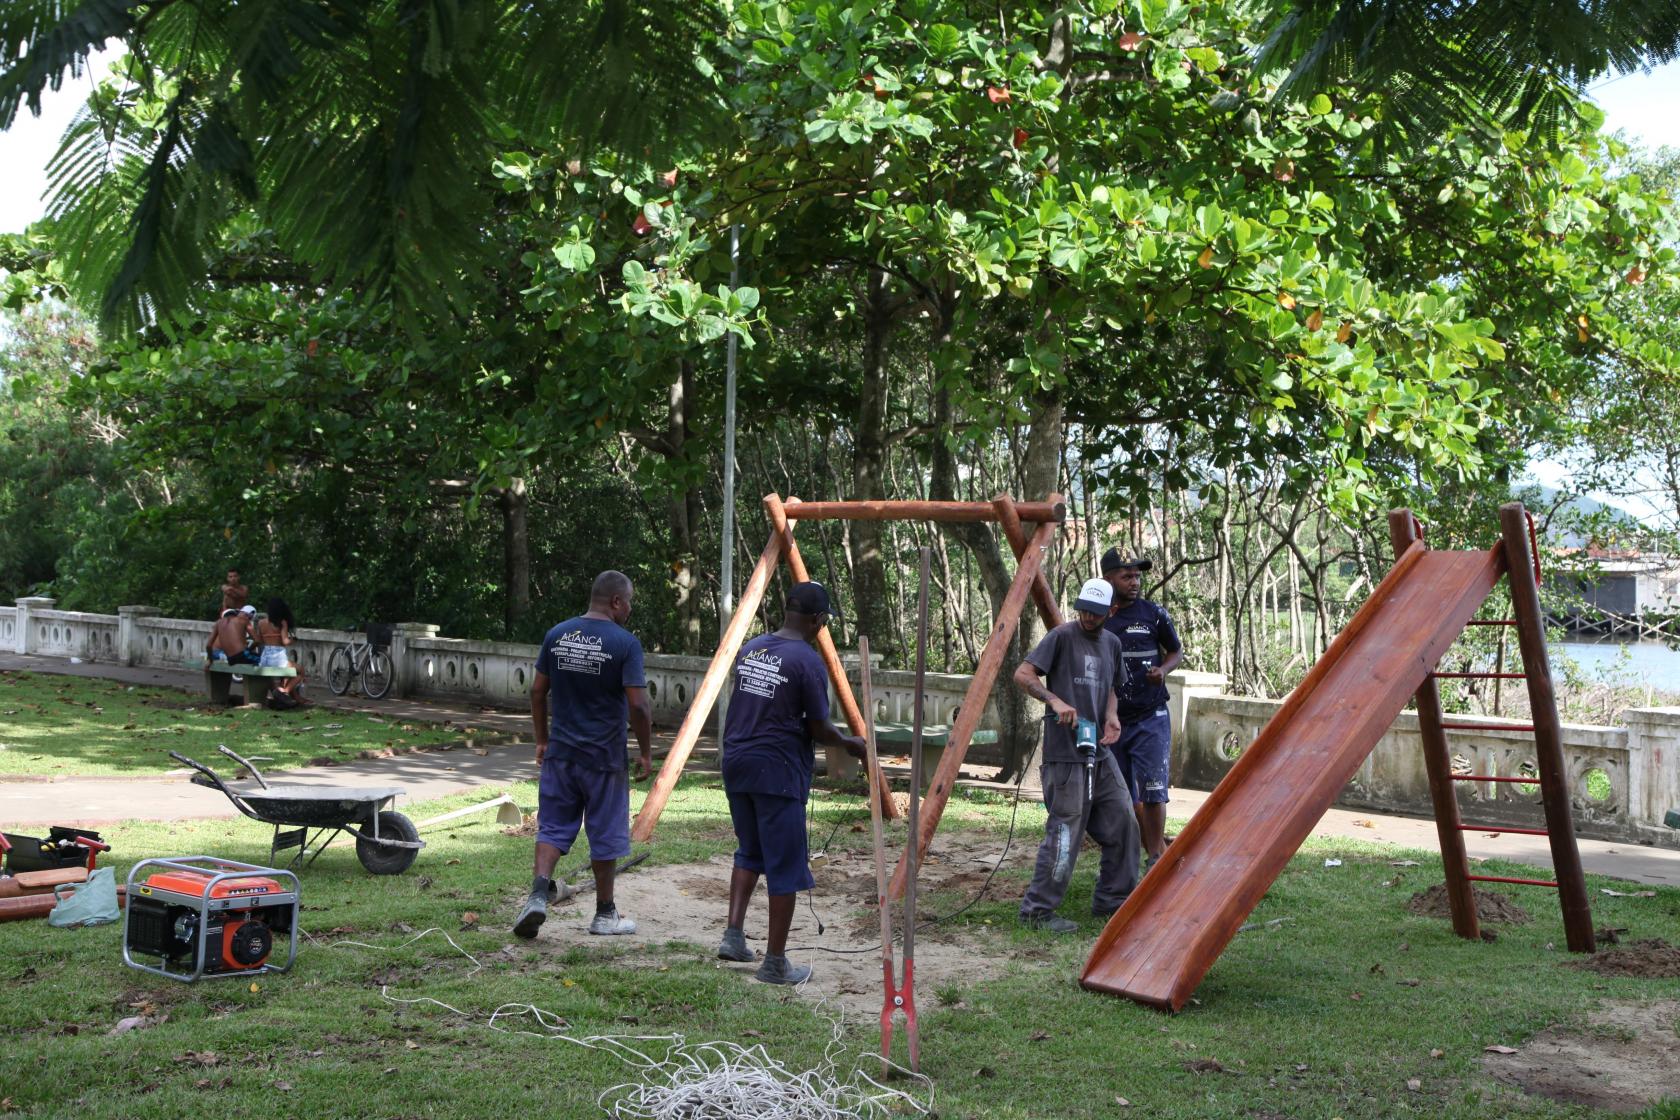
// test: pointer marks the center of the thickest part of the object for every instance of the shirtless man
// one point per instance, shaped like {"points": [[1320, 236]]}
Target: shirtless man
{"points": [[232, 637]]}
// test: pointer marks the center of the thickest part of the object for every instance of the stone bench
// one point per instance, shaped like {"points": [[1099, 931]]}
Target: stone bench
{"points": [[218, 676], [935, 738]]}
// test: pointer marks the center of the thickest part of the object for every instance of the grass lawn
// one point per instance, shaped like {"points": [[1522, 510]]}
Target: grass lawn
{"points": [[1353, 1008], [68, 726]]}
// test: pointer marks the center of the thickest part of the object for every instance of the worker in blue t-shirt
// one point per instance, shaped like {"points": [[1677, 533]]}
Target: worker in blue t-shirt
{"points": [[777, 709], [589, 683], [1150, 650]]}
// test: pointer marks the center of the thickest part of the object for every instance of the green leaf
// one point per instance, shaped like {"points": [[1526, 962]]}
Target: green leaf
{"points": [[575, 255], [942, 40], [1320, 105]]}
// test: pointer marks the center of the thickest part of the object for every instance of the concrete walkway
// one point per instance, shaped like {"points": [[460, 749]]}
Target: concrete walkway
{"points": [[425, 775]]}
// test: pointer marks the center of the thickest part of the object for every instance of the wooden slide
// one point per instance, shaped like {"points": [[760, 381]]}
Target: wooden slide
{"points": [[1160, 944]]}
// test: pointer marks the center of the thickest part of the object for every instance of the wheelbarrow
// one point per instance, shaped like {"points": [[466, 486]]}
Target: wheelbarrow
{"points": [[386, 841]]}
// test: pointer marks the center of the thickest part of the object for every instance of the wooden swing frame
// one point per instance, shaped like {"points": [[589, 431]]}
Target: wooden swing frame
{"points": [[1029, 579]]}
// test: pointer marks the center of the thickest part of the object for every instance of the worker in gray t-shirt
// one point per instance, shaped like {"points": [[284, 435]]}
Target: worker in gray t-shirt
{"points": [[1082, 789]]}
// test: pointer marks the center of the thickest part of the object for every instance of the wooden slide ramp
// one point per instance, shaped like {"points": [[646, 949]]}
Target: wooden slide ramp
{"points": [[1160, 944]]}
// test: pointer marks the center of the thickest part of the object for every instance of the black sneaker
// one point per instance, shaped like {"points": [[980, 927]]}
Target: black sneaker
{"points": [[532, 917], [1055, 923]]}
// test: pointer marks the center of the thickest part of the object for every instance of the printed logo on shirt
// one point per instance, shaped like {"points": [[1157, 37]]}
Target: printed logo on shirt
{"points": [[1092, 672], [578, 652], [760, 674]]}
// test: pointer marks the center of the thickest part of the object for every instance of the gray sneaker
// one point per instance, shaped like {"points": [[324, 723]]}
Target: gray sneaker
{"points": [[733, 947], [780, 970], [609, 925], [1055, 923], [532, 917]]}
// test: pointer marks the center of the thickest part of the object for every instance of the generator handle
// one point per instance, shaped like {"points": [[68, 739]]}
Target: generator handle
{"points": [[215, 781], [245, 762]]}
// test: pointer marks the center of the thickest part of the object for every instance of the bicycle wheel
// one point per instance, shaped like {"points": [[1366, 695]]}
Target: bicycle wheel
{"points": [[338, 670], [376, 675]]}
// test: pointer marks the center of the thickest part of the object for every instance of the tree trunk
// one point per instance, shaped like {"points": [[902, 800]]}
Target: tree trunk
{"points": [[683, 515], [870, 606], [516, 556]]}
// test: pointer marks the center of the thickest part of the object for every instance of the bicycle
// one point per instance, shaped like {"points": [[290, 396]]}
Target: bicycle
{"points": [[370, 657]]}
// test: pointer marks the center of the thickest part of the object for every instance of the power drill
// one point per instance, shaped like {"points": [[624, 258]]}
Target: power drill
{"points": [[1085, 742]]}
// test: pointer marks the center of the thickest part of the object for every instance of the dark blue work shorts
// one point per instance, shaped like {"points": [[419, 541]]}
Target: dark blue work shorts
{"points": [[770, 834]]}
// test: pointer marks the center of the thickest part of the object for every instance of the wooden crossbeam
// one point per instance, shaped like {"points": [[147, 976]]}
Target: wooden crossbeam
{"points": [[925, 511]]}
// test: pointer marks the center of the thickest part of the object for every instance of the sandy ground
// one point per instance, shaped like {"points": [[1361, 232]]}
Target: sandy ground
{"points": [[687, 902], [1626, 1058]]}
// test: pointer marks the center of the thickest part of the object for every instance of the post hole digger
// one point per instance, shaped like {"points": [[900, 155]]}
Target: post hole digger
{"points": [[899, 996]]}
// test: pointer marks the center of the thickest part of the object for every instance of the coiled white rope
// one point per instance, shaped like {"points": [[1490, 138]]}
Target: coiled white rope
{"points": [[703, 1080]]}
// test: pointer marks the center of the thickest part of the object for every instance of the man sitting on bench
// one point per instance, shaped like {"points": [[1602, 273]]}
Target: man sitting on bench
{"points": [[232, 638]]}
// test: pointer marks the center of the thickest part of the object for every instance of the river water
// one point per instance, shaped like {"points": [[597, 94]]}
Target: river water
{"points": [[1647, 663]]}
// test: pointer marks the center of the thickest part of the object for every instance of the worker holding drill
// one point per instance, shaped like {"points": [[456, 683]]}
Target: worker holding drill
{"points": [[1083, 793]]}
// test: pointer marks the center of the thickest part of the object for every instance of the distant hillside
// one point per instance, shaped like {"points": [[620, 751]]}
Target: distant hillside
{"points": [[1574, 512]]}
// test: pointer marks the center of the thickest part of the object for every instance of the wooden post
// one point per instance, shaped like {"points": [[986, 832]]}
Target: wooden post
{"points": [[1048, 609], [825, 641], [1455, 864], [974, 702], [717, 673], [925, 511], [1548, 731]]}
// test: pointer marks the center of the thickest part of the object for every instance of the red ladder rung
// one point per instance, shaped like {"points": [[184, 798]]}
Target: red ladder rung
{"points": [[1491, 622], [1445, 726], [1490, 778], [1496, 829], [1484, 676], [1520, 882]]}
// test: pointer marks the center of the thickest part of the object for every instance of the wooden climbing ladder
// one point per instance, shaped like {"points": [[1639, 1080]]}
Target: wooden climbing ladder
{"points": [[1522, 572]]}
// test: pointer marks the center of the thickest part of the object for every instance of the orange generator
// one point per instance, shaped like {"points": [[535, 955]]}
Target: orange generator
{"points": [[200, 916]]}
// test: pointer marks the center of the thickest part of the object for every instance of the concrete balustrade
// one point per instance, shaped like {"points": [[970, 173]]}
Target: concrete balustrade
{"points": [[1622, 779]]}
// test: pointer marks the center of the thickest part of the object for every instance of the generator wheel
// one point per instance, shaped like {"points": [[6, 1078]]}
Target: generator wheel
{"points": [[382, 859]]}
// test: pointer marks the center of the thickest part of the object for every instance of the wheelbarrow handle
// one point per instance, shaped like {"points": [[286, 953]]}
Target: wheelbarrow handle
{"points": [[245, 762], [214, 780]]}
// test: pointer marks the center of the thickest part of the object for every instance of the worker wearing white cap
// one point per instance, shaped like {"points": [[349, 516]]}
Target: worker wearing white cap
{"points": [[1079, 662]]}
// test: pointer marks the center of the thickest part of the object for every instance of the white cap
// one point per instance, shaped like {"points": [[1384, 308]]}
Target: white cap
{"points": [[248, 609], [1095, 596]]}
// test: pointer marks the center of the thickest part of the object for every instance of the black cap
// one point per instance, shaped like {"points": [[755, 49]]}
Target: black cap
{"points": [[808, 598], [1113, 559]]}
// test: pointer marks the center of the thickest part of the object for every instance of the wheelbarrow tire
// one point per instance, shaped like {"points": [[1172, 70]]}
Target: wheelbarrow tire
{"points": [[381, 859]]}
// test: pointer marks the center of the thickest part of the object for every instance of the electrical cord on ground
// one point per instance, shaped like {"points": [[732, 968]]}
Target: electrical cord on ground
{"points": [[721, 1080]]}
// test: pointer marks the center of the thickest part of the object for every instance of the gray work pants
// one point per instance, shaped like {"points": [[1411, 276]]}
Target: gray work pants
{"points": [[1110, 820]]}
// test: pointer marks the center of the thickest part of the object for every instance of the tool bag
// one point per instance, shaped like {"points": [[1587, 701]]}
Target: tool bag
{"points": [[93, 903]]}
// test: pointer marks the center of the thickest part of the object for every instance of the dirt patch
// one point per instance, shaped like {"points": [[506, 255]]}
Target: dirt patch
{"points": [[1651, 959], [1490, 906], [686, 903], [1625, 1059]]}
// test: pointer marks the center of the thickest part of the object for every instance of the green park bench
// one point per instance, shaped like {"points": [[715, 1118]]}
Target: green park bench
{"points": [[1672, 820], [218, 676]]}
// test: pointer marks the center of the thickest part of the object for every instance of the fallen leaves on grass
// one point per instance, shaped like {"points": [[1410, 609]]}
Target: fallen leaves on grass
{"points": [[1207, 1065], [200, 1058]]}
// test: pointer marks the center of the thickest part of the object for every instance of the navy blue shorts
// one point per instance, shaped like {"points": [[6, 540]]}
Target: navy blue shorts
{"points": [[570, 797], [1145, 752], [770, 832]]}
